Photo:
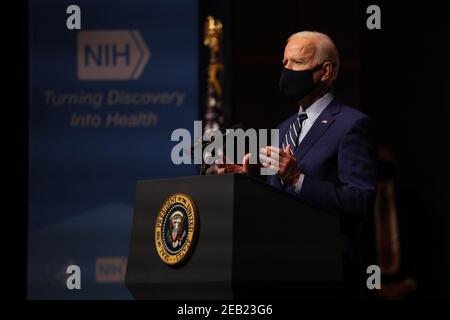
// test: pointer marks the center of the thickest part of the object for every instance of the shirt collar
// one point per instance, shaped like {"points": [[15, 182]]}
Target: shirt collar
{"points": [[318, 106]]}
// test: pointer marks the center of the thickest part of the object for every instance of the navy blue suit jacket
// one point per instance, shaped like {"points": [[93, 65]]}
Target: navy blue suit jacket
{"points": [[339, 160]]}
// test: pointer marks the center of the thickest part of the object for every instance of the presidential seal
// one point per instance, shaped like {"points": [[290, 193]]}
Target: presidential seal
{"points": [[176, 228]]}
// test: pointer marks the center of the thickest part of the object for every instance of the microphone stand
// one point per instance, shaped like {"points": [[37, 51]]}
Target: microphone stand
{"points": [[204, 167]]}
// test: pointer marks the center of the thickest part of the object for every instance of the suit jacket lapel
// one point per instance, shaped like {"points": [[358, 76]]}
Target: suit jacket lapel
{"points": [[322, 123]]}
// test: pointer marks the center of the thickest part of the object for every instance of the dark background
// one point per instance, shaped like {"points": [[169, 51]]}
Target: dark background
{"points": [[397, 75]]}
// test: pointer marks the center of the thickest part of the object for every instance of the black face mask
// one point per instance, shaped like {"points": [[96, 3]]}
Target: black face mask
{"points": [[297, 84]]}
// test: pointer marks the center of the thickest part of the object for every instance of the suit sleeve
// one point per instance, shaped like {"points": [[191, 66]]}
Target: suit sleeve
{"points": [[357, 164]]}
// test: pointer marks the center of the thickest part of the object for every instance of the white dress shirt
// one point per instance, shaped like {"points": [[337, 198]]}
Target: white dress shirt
{"points": [[313, 112]]}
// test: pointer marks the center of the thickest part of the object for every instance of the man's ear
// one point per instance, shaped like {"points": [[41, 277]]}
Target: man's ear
{"points": [[326, 69]]}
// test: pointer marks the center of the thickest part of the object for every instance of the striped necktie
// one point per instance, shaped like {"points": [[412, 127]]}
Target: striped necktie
{"points": [[293, 133]]}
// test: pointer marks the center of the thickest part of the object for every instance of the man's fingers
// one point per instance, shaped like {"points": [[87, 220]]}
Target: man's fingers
{"points": [[269, 151], [265, 159], [270, 166], [271, 163], [219, 164], [246, 161], [287, 149], [273, 149]]}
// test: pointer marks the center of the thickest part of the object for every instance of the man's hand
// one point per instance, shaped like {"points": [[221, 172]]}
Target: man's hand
{"points": [[286, 166], [234, 168]]}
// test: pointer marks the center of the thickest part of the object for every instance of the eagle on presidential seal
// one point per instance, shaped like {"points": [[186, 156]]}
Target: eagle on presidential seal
{"points": [[175, 232]]}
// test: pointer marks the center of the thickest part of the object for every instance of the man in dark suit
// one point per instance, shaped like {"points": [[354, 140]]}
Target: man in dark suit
{"points": [[326, 156]]}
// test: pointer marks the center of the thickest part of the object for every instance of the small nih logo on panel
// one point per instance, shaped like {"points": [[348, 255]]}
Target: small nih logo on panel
{"points": [[110, 269], [111, 55]]}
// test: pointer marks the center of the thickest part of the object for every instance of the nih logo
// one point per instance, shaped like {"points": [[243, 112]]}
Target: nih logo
{"points": [[110, 269], [111, 55]]}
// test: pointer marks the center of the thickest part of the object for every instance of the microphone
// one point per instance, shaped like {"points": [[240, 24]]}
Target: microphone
{"points": [[204, 144], [204, 167]]}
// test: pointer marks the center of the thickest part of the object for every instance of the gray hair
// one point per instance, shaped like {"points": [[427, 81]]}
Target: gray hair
{"points": [[325, 49]]}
